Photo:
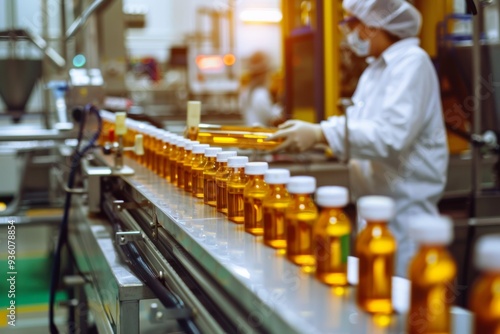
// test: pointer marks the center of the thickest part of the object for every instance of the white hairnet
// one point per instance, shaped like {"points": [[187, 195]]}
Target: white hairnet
{"points": [[397, 17]]}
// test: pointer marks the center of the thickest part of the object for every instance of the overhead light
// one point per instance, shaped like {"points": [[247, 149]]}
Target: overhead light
{"points": [[209, 62], [261, 15]]}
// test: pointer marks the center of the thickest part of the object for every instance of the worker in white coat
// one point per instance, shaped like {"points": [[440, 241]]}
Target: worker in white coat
{"points": [[395, 127], [256, 101]]}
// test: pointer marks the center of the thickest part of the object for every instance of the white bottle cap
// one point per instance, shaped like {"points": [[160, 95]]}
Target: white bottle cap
{"points": [[158, 133], [277, 176], [211, 152], [301, 185], [431, 230], [173, 139], [182, 142], [120, 126], [237, 162], [256, 168], [487, 253], [332, 197], [190, 144], [376, 208], [199, 148], [223, 156], [168, 137]]}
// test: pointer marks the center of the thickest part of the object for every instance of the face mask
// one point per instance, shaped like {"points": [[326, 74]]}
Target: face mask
{"points": [[357, 45]]}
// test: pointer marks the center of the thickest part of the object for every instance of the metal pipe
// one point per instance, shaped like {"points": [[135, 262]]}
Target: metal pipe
{"points": [[13, 14], [12, 42], [52, 54], [82, 19], [64, 51], [476, 82]]}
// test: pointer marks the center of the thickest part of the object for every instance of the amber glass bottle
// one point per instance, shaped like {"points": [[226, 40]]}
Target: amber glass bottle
{"points": [[255, 191], [432, 273], [221, 180], [149, 146], [236, 182], [197, 159], [375, 248], [198, 169], [188, 165], [158, 155], [274, 206], [172, 151], [332, 234], [300, 217], [484, 299], [172, 161], [209, 183], [167, 139], [179, 162]]}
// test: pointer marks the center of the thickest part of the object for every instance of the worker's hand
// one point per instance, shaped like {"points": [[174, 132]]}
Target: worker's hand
{"points": [[298, 136]]}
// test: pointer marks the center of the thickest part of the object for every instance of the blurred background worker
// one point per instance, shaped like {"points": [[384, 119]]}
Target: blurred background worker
{"points": [[256, 101], [395, 127]]}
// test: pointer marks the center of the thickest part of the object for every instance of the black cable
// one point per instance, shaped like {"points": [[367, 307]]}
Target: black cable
{"points": [[471, 7], [63, 233]]}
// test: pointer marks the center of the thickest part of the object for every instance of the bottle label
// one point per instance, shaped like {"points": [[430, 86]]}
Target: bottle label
{"points": [[344, 246]]}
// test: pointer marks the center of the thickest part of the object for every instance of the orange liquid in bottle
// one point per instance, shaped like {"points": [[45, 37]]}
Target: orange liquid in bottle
{"points": [[484, 298], [179, 163], [188, 167], [485, 303], [432, 273], [274, 206], [197, 181], [255, 191], [209, 185], [221, 193], [221, 177], [235, 188], [235, 203], [198, 169], [300, 217], [332, 235], [375, 248], [274, 221], [173, 163]]}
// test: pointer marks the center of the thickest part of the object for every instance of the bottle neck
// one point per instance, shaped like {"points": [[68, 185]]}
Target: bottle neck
{"points": [[173, 150], [375, 223], [331, 211], [221, 165], [278, 191], [432, 247], [301, 197], [255, 178], [210, 160], [240, 171], [491, 273]]}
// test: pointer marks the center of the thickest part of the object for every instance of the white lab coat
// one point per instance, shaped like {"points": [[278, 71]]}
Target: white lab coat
{"points": [[397, 138], [258, 108]]}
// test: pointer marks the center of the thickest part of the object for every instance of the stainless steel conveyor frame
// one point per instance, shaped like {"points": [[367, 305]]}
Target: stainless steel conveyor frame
{"points": [[255, 289]]}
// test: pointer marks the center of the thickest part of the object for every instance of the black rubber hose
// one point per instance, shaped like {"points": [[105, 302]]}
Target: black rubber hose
{"points": [[63, 232]]}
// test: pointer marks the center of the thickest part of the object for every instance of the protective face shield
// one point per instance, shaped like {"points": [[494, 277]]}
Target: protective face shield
{"points": [[360, 47]]}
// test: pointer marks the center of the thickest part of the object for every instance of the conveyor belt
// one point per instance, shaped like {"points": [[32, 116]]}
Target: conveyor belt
{"points": [[277, 295]]}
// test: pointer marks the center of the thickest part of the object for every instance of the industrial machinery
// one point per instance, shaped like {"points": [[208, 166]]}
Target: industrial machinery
{"points": [[136, 237]]}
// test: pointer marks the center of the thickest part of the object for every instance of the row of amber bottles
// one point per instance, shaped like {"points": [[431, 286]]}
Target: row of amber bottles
{"points": [[270, 203]]}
